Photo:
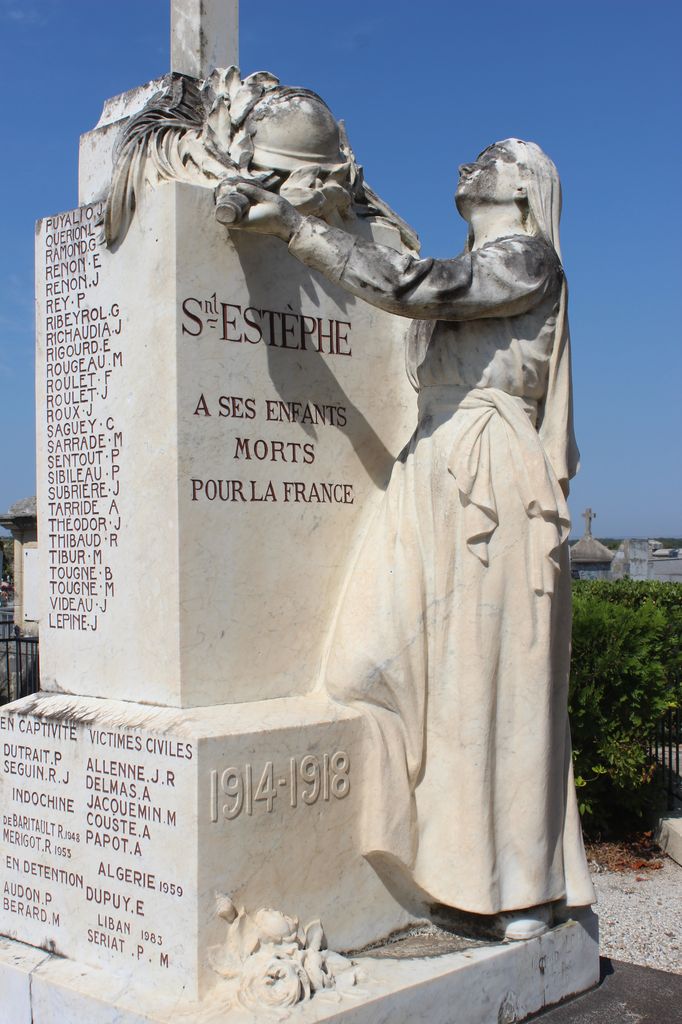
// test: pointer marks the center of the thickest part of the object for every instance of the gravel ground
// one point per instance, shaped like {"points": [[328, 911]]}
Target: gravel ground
{"points": [[640, 915]]}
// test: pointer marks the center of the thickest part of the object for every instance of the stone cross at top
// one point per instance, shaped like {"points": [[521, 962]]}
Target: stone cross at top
{"points": [[204, 35], [588, 516]]}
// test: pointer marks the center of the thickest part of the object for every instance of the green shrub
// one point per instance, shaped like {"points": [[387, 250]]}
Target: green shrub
{"points": [[634, 594], [624, 673], [7, 546]]}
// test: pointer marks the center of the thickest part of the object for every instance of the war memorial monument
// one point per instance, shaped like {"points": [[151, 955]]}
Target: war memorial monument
{"points": [[330, 778]]}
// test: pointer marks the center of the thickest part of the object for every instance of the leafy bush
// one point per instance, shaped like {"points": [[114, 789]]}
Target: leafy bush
{"points": [[665, 596], [7, 546], [625, 672]]}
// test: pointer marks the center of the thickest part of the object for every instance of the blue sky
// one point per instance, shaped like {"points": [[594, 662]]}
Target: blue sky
{"points": [[422, 87]]}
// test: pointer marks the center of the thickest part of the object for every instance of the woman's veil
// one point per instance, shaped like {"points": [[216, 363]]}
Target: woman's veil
{"points": [[555, 414]]}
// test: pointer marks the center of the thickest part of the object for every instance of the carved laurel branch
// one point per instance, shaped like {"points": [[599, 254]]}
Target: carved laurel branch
{"points": [[230, 101], [273, 962], [185, 133], [197, 133]]}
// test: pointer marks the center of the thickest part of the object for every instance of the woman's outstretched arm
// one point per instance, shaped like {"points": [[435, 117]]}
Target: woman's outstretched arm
{"points": [[503, 278]]}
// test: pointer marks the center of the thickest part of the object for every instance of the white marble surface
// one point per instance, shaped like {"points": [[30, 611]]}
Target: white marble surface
{"points": [[669, 836], [208, 600], [17, 961], [96, 147], [495, 985], [453, 633], [124, 824], [204, 35]]}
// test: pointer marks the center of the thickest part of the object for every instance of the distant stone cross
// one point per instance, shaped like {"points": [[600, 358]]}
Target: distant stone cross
{"points": [[588, 516], [204, 35]]}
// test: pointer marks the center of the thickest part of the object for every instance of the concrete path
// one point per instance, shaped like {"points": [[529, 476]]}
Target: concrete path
{"points": [[627, 994]]}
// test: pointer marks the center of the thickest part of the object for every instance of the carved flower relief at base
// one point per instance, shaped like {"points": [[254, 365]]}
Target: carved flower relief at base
{"points": [[272, 979], [273, 963]]}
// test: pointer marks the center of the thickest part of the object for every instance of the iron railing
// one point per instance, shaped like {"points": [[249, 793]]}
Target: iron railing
{"points": [[664, 751], [19, 664], [6, 621]]}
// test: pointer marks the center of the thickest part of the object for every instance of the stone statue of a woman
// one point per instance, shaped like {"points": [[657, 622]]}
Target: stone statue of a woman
{"points": [[453, 633]]}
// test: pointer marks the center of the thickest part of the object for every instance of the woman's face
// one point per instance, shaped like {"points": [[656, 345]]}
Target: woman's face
{"points": [[495, 177]]}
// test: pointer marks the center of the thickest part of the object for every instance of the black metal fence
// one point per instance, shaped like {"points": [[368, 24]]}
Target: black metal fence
{"points": [[6, 625], [664, 750], [19, 664]]}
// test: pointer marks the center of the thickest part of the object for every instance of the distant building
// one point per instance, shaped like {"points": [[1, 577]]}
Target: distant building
{"points": [[635, 559], [639, 559], [665, 563], [21, 520], [631, 560], [590, 559]]}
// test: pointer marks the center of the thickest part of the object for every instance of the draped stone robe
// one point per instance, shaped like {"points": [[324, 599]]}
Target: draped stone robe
{"points": [[453, 631]]}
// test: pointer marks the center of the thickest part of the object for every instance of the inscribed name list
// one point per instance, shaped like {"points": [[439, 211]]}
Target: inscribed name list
{"points": [[215, 424], [92, 826], [82, 442]]}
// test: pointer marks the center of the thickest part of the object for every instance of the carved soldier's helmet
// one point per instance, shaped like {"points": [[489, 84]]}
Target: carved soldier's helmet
{"points": [[290, 127]]}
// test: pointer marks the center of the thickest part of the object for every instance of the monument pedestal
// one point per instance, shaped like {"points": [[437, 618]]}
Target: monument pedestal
{"points": [[125, 828], [201, 481], [124, 825], [216, 425], [493, 985]]}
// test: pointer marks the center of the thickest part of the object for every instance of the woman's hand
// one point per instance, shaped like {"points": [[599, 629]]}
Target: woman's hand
{"points": [[242, 205]]}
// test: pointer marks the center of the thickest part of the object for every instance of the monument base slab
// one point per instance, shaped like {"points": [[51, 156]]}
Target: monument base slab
{"points": [[669, 836], [500, 984], [124, 825]]}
